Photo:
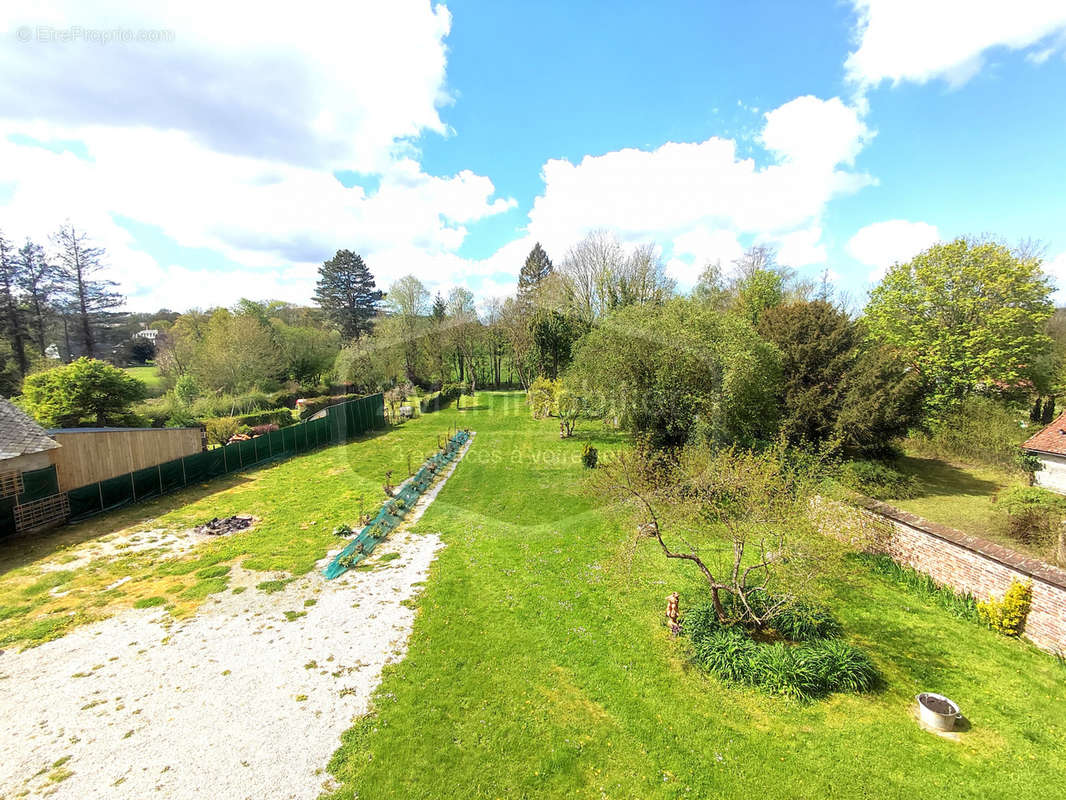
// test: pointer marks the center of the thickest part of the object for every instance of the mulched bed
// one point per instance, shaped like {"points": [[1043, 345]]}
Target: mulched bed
{"points": [[221, 526]]}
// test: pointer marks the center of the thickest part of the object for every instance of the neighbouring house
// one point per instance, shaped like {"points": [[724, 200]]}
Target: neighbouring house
{"points": [[1049, 447], [149, 333]]}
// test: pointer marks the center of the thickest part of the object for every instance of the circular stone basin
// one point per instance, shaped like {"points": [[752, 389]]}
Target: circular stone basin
{"points": [[937, 711]]}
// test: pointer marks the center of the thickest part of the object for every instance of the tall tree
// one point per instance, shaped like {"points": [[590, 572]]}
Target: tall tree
{"points": [[88, 296], [9, 305], [36, 280], [537, 267], [966, 315], [408, 300], [346, 292]]}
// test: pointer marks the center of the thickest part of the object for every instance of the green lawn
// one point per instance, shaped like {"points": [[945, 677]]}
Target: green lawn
{"points": [[150, 375], [538, 667], [299, 502], [963, 496]]}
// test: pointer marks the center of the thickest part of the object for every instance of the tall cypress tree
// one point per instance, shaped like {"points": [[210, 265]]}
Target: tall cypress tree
{"points": [[537, 267], [346, 292]]}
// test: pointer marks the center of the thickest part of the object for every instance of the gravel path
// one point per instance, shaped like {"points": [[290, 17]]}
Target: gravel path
{"points": [[241, 700]]}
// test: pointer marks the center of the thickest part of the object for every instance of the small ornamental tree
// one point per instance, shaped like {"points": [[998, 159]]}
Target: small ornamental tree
{"points": [[85, 392], [737, 516]]}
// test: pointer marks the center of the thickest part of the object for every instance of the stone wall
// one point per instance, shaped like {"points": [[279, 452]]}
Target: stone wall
{"points": [[953, 558]]}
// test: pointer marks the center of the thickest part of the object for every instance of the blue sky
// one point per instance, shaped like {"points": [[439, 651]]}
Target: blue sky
{"points": [[219, 154]]}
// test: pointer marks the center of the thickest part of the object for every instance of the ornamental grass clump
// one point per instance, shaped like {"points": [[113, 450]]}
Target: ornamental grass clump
{"points": [[800, 655]]}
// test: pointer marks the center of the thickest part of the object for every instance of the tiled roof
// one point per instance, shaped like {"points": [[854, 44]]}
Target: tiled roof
{"points": [[20, 435], [1051, 439]]}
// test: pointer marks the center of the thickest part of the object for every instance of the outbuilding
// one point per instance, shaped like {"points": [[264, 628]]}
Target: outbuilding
{"points": [[1049, 447]]}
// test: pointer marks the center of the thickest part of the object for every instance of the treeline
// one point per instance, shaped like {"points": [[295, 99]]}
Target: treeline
{"points": [[55, 303]]}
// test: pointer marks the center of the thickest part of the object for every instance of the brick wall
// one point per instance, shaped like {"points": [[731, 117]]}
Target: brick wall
{"points": [[965, 563]]}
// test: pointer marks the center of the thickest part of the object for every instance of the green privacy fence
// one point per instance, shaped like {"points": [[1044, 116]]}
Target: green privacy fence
{"points": [[342, 422], [393, 511], [36, 485]]}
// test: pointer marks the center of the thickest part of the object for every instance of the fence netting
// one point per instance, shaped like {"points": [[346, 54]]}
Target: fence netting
{"points": [[341, 423], [394, 510]]}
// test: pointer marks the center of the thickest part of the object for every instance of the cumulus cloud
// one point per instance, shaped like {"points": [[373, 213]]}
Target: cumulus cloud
{"points": [[227, 138], [883, 244], [701, 197], [919, 41]]}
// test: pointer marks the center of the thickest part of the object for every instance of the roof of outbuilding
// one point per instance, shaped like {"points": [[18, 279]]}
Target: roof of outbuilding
{"points": [[1051, 439], [20, 435]]}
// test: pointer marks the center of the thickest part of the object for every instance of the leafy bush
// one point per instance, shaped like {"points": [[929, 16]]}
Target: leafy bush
{"points": [[221, 429], [879, 480], [541, 397], [589, 456], [263, 430], [186, 389], [803, 672], [1007, 616], [85, 392], [231, 405], [316, 404], [280, 417], [820, 664], [960, 605], [1032, 514]]}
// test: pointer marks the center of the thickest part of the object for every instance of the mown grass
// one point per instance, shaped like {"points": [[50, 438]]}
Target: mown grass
{"points": [[963, 496], [539, 667], [150, 376], [297, 503]]}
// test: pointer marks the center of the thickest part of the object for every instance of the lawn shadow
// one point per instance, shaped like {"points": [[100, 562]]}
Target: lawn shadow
{"points": [[602, 436], [937, 478], [473, 408]]}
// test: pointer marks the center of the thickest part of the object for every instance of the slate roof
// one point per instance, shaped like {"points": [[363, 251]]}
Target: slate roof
{"points": [[20, 435], [1051, 439]]}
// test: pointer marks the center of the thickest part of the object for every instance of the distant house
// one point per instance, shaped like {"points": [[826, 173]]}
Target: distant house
{"points": [[1049, 446], [148, 333]]}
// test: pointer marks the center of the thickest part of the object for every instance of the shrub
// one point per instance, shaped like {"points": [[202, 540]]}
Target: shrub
{"points": [[541, 397], [1007, 616], [221, 429], [879, 480], [803, 672], [589, 456], [279, 417], [231, 405], [262, 430], [1032, 514], [802, 622], [316, 404], [186, 389]]}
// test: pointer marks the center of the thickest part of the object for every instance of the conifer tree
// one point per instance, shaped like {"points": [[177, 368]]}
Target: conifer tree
{"points": [[87, 297], [537, 267], [347, 293]]}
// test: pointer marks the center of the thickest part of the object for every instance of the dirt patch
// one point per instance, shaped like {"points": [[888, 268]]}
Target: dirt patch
{"points": [[222, 526]]}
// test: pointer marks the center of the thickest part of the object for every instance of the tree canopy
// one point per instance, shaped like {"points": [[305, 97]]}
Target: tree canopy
{"points": [[86, 392], [967, 315], [346, 292]]}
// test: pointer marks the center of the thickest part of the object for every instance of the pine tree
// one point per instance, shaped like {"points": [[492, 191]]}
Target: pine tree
{"points": [[537, 267], [9, 305], [440, 308], [35, 277], [346, 292], [87, 299]]}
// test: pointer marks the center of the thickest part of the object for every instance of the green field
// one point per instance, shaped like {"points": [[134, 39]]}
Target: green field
{"points": [[539, 665], [151, 377]]}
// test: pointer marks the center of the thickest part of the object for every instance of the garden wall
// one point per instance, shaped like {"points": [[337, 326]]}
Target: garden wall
{"points": [[965, 563]]}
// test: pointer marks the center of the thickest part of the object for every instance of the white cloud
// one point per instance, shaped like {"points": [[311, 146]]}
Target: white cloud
{"points": [[1056, 270], [701, 197], [883, 244], [919, 41], [227, 139]]}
